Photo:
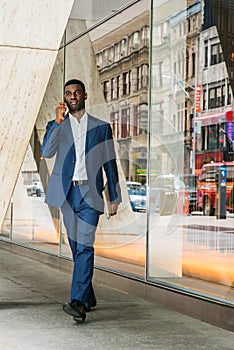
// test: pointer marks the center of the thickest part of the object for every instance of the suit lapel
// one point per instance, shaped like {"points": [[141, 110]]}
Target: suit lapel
{"points": [[68, 130], [91, 140]]}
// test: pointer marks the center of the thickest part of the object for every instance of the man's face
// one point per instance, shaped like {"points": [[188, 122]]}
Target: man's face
{"points": [[75, 97]]}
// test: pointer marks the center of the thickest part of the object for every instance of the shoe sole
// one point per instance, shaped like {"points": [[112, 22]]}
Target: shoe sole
{"points": [[70, 311]]}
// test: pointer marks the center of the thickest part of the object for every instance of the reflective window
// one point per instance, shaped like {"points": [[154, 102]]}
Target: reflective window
{"points": [[191, 149]]}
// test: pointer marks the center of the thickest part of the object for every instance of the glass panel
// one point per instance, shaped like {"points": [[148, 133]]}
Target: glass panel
{"points": [[28, 220], [190, 226], [107, 61], [86, 14]]}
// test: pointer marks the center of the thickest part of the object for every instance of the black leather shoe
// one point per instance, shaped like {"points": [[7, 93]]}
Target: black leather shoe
{"points": [[75, 309], [90, 303]]}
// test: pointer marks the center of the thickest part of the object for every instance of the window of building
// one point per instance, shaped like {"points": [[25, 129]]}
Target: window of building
{"points": [[193, 64], [117, 52], [189, 25], [112, 88], [157, 120], [212, 98], [184, 27], [135, 40], [179, 60], [161, 33], [125, 123], [140, 120], [204, 103], [105, 90], [138, 80], [216, 96], [212, 137], [206, 54], [142, 76], [179, 119], [187, 63], [105, 57], [194, 23], [145, 36], [216, 54], [114, 119], [157, 73], [123, 49], [229, 94], [222, 93], [111, 54], [118, 86], [126, 83]]}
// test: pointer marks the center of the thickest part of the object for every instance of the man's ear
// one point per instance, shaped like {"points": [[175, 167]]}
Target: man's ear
{"points": [[86, 96]]}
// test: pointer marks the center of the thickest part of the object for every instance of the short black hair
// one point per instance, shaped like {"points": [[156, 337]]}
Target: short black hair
{"points": [[75, 81]]}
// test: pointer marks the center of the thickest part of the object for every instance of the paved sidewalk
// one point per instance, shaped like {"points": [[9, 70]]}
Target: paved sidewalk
{"points": [[31, 316]]}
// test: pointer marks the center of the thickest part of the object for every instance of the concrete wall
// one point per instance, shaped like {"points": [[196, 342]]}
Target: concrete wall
{"points": [[29, 40]]}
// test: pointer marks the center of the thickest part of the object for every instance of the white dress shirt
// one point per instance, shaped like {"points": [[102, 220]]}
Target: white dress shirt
{"points": [[79, 130]]}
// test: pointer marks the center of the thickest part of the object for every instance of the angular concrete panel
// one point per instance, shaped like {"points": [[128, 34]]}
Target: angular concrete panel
{"points": [[34, 24], [24, 75], [29, 39]]}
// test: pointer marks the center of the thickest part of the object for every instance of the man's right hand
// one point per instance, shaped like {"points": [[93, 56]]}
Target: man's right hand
{"points": [[60, 112]]}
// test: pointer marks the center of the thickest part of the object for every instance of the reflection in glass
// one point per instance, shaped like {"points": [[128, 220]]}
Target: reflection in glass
{"points": [[191, 130], [114, 64], [87, 14], [28, 220]]}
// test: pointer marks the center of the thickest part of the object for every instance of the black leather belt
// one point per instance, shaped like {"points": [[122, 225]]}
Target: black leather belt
{"points": [[79, 182]]}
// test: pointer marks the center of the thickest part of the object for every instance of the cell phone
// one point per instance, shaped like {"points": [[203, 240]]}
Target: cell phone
{"points": [[67, 109]]}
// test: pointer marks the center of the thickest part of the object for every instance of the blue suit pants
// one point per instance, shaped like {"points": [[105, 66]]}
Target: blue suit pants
{"points": [[81, 220]]}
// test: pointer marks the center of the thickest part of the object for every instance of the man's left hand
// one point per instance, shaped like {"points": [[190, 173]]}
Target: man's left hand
{"points": [[114, 208]]}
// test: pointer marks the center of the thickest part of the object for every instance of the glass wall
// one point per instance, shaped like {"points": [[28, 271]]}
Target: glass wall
{"points": [[113, 61], [191, 168], [161, 73], [107, 47]]}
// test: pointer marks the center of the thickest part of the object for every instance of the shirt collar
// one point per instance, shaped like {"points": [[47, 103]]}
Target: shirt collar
{"points": [[83, 119]]}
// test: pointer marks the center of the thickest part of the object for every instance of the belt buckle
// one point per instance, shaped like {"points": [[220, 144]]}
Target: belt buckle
{"points": [[79, 182]]}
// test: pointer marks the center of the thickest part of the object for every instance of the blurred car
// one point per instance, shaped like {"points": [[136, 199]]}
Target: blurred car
{"points": [[137, 195], [35, 189], [170, 192], [207, 187], [133, 185]]}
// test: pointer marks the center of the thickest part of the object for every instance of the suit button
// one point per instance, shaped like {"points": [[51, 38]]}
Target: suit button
{"points": [[73, 161]]}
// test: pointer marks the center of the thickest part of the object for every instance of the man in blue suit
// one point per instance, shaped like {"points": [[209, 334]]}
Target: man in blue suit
{"points": [[84, 147]]}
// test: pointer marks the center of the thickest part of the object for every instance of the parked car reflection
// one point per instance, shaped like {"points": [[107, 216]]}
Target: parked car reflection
{"points": [[171, 194], [35, 189], [137, 196]]}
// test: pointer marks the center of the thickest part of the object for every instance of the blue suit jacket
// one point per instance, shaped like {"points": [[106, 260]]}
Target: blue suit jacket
{"points": [[100, 154]]}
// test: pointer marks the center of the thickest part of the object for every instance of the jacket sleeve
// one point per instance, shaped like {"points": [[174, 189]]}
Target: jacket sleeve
{"points": [[110, 167], [50, 140]]}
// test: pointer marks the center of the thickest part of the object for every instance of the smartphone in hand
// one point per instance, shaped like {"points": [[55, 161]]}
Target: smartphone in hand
{"points": [[61, 111], [66, 111]]}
